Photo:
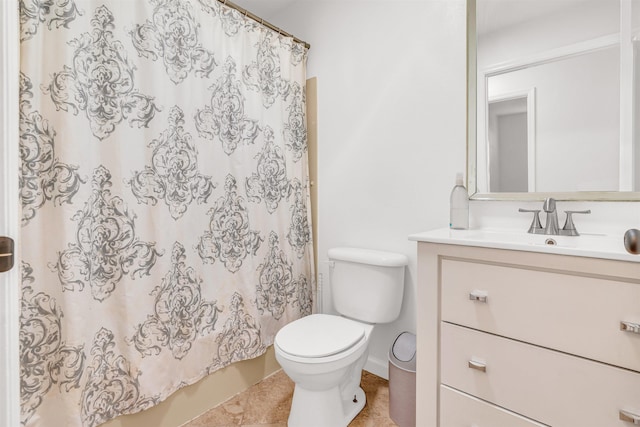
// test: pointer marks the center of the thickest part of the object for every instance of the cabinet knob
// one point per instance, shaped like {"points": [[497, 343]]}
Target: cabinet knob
{"points": [[480, 296], [630, 327], [630, 417]]}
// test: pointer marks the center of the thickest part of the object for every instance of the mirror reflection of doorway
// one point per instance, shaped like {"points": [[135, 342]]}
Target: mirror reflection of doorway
{"points": [[511, 139]]}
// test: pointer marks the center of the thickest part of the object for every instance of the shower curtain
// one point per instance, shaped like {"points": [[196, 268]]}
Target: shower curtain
{"points": [[165, 200]]}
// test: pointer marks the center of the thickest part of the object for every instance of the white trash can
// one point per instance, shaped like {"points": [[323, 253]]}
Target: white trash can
{"points": [[402, 380]]}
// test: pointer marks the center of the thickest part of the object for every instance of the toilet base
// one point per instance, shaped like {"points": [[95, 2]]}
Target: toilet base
{"points": [[354, 406], [324, 408]]}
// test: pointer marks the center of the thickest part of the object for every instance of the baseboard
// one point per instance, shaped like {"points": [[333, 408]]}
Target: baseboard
{"points": [[377, 367]]}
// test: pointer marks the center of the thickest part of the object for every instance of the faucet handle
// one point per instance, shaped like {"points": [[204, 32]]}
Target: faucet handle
{"points": [[536, 226], [569, 228]]}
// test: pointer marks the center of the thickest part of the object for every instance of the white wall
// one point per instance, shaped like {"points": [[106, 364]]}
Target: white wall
{"points": [[391, 125]]}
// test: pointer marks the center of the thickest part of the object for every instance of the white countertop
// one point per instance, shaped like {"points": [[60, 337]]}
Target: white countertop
{"points": [[585, 245]]}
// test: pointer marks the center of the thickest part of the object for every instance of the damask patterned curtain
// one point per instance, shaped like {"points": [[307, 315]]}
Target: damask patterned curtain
{"points": [[165, 203]]}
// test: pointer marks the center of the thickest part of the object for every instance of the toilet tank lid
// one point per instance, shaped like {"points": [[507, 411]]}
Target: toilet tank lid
{"points": [[368, 256]]}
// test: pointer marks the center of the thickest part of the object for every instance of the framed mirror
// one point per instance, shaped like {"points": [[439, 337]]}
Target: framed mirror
{"points": [[554, 99]]}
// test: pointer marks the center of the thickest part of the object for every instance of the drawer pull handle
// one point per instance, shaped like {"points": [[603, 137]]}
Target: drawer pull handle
{"points": [[480, 296], [478, 366], [630, 327], [629, 417]]}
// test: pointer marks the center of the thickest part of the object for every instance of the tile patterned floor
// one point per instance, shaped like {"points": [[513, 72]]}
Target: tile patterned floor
{"points": [[267, 404]]}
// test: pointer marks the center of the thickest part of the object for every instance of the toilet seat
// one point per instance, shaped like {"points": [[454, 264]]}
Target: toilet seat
{"points": [[319, 335]]}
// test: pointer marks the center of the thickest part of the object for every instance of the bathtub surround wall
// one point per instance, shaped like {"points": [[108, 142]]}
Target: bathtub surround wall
{"points": [[192, 401], [165, 201]]}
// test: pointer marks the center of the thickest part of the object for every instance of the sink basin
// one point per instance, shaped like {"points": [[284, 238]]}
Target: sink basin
{"points": [[587, 245]]}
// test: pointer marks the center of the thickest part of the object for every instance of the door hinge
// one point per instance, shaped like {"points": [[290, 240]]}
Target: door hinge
{"points": [[6, 253]]}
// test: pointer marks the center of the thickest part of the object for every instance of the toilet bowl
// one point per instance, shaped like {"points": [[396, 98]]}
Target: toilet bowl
{"points": [[324, 356], [324, 353]]}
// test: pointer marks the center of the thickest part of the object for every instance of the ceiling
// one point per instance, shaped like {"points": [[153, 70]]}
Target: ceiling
{"points": [[493, 15]]}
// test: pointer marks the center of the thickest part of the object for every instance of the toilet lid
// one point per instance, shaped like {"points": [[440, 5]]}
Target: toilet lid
{"points": [[319, 335]]}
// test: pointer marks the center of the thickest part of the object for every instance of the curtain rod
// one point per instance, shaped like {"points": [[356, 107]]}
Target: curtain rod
{"points": [[261, 21]]}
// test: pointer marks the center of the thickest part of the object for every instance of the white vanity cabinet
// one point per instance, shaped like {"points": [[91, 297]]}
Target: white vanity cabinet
{"points": [[510, 338]]}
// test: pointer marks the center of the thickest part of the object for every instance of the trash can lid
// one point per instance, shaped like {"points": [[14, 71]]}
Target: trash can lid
{"points": [[404, 348]]}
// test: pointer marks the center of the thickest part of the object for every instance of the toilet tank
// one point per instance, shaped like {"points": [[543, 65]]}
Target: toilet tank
{"points": [[367, 285]]}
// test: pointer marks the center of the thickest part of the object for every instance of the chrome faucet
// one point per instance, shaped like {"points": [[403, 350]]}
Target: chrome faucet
{"points": [[551, 224]]}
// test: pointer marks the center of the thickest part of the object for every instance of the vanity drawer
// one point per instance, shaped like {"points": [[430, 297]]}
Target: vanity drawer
{"points": [[572, 313], [551, 387], [461, 410]]}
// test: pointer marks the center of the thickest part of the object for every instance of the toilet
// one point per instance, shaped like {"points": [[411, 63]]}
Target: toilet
{"points": [[324, 354]]}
